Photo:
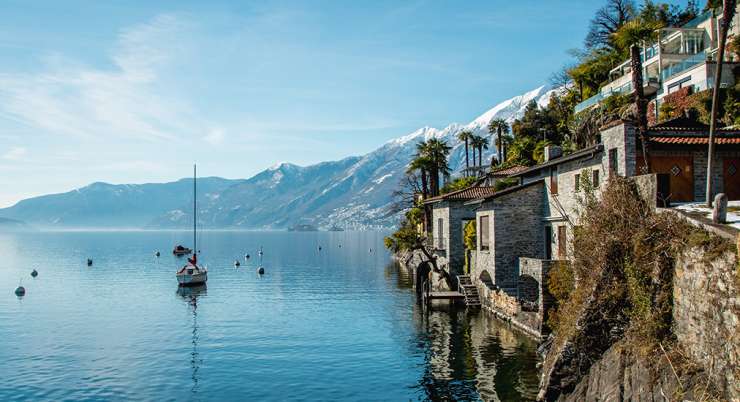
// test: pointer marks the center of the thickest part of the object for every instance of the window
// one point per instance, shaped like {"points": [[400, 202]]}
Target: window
{"points": [[578, 183], [613, 162], [440, 231], [554, 180], [595, 178], [484, 240], [562, 245]]}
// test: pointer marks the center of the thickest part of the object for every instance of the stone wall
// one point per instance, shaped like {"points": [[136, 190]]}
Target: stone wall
{"points": [[647, 188], [517, 231], [706, 314], [538, 270], [451, 246], [623, 137]]}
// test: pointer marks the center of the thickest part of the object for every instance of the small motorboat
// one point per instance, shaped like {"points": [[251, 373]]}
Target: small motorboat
{"points": [[34, 273], [156, 254], [181, 250], [237, 263], [89, 262], [247, 256]]}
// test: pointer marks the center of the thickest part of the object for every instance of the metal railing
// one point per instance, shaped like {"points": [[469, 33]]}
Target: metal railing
{"points": [[684, 65]]}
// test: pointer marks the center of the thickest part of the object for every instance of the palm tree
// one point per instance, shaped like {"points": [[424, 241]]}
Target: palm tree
{"points": [[728, 12], [630, 36], [500, 127], [423, 165], [479, 143], [437, 151], [465, 136]]}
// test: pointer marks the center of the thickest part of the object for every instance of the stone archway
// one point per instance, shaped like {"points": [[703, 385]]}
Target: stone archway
{"points": [[485, 277]]}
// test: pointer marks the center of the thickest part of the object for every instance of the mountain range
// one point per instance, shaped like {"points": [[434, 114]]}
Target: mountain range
{"points": [[354, 193]]}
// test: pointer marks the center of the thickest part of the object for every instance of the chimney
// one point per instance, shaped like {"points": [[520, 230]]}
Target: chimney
{"points": [[552, 152]]}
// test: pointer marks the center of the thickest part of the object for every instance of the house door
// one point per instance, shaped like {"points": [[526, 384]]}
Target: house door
{"points": [[548, 242], [731, 176], [680, 170]]}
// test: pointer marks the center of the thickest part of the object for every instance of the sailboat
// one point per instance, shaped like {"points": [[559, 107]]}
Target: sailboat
{"points": [[193, 274]]}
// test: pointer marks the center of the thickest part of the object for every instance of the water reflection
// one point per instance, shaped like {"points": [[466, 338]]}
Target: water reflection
{"points": [[469, 355], [191, 295]]}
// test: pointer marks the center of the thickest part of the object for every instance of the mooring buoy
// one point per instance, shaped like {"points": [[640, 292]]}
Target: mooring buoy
{"points": [[156, 254], [260, 270], [34, 273]]}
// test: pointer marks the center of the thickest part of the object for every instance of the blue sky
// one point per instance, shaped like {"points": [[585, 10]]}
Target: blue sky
{"points": [[132, 92]]}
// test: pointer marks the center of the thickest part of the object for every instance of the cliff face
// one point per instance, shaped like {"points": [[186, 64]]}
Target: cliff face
{"points": [[700, 364]]}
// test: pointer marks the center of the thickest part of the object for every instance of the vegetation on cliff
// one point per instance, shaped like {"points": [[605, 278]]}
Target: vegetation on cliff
{"points": [[618, 287]]}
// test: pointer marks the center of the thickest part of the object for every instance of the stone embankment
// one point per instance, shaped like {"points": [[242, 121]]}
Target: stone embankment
{"points": [[703, 365]]}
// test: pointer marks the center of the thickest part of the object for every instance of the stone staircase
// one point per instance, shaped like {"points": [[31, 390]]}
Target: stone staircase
{"points": [[470, 291]]}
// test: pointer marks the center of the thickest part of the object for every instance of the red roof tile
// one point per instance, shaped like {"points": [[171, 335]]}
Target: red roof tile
{"points": [[691, 140], [465, 194]]}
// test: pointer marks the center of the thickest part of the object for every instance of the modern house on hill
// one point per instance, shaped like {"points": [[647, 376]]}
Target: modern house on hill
{"points": [[680, 58]]}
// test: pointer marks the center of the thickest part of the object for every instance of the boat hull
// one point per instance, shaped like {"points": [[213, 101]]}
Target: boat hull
{"points": [[192, 279]]}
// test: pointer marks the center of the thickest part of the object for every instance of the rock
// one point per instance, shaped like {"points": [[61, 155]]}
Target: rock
{"points": [[719, 212]]}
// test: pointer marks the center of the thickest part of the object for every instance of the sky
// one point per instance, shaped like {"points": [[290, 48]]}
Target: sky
{"points": [[136, 92]]}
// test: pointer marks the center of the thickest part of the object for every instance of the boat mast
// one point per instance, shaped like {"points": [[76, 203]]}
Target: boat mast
{"points": [[195, 213]]}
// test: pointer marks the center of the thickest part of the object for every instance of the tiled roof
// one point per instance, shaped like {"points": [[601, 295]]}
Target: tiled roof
{"points": [[503, 172], [680, 124], [583, 153], [693, 140], [465, 194], [504, 192]]}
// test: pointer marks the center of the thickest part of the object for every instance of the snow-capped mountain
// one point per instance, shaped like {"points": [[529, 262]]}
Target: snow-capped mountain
{"points": [[355, 192]]}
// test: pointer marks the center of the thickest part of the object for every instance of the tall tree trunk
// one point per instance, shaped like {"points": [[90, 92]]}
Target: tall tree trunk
{"points": [[480, 156], [473, 156], [424, 184], [500, 148], [728, 11], [434, 186], [640, 102], [467, 162]]}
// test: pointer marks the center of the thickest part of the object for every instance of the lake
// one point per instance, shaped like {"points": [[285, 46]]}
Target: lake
{"points": [[336, 324]]}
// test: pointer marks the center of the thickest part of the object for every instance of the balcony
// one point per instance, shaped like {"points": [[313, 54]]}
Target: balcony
{"points": [[623, 85], [687, 63]]}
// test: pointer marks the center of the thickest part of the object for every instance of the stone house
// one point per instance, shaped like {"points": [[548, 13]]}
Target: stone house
{"points": [[522, 231], [449, 214]]}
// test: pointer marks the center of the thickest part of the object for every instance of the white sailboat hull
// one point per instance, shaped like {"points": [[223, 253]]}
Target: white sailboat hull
{"points": [[192, 277]]}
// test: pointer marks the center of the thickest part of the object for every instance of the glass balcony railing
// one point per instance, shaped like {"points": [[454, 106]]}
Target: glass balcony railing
{"points": [[626, 88], [684, 65]]}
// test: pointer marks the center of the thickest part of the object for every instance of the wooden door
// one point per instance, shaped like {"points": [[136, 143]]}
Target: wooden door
{"points": [[731, 176], [680, 169]]}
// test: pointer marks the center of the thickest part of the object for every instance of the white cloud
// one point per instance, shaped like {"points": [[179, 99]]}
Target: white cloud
{"points": [[15, 154], [215, 136], [71, 99]]}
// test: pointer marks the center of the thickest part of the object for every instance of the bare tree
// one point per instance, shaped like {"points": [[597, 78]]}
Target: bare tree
{"points": [[607, 21]]}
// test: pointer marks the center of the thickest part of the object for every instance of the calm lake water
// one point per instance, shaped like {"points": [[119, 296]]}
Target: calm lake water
{"points": [[335, 324]]}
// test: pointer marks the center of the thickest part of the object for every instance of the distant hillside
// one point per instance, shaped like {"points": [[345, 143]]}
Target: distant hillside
{"points": [[12, 225], [353, 193], [111, 205]]}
